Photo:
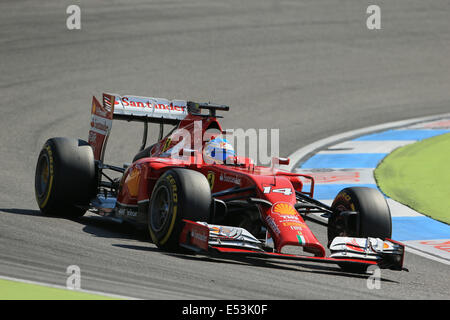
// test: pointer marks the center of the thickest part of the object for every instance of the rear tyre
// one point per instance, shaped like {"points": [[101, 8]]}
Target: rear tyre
{"points": [[373, 218], [178, 194], [65, 178]]}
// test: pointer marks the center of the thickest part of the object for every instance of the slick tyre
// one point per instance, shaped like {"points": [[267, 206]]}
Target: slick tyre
{"points": [[65, 178], [178, 194], [372, 218]]}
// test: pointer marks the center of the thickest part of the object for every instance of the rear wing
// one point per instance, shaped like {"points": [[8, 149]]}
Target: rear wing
{"points": [[101, 123], [147, 109], [143, 109]]}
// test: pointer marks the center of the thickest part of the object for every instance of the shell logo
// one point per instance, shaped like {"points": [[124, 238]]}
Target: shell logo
{"points": [[284, 208], [132, 182]]}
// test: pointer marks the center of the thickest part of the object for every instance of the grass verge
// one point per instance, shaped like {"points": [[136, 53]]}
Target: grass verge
{"points": [[418, 175], [15, 290]]}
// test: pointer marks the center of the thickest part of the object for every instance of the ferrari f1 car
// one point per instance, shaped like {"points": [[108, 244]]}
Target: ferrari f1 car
{"points": [[227, 208]]}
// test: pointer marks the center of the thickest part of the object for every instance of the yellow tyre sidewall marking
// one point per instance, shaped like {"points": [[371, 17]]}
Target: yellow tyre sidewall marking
{"points": [[50, 159], [348, 200], [173, 184]]}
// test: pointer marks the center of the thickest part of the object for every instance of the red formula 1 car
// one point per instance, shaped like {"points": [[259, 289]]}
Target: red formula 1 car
{"points": [[233, 207]]}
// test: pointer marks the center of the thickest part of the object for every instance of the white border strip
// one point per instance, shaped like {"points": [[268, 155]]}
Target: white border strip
{"points": [[309, 150], [425, 255], [298, 155]]}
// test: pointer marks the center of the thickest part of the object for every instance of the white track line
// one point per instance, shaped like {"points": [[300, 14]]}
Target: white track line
{"points": [[349, 147]]}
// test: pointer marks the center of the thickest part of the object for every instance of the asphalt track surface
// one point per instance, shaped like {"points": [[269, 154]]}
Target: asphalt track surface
{"points": [[310, 68]]}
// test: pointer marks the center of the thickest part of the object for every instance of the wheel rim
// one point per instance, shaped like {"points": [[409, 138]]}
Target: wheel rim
{"points": [[160, 208], [43, 176], [339, 228]]}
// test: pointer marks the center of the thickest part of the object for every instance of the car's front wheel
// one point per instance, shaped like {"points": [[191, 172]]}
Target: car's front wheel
{"points": [[178, 194], [359, 212]]}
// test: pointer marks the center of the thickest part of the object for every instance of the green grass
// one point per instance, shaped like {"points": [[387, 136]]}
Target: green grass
{"points": [[418, 175], [14, 290]]}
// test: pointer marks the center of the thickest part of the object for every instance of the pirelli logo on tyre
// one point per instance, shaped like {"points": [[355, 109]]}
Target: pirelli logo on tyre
{"points": [[173, 184], [344, 197]]}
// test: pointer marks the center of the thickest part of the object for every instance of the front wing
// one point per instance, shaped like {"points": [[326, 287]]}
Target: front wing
{"points": [[201, 237]]}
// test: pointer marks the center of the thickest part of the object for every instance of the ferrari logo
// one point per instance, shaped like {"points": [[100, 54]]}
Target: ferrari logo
{"points": [[166, 145], [211, 177]]}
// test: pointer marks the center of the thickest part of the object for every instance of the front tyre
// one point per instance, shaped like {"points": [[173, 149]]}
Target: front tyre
{"points": [[65, 178], [178, 194], [372, 218]]}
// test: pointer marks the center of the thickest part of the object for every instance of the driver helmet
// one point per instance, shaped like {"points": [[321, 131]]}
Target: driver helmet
{"points": [[217, 151]]}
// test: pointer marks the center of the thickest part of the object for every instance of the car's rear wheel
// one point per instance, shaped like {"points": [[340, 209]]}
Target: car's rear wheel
{"points": [[65, 177], [178, 194], [372, 217]]}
